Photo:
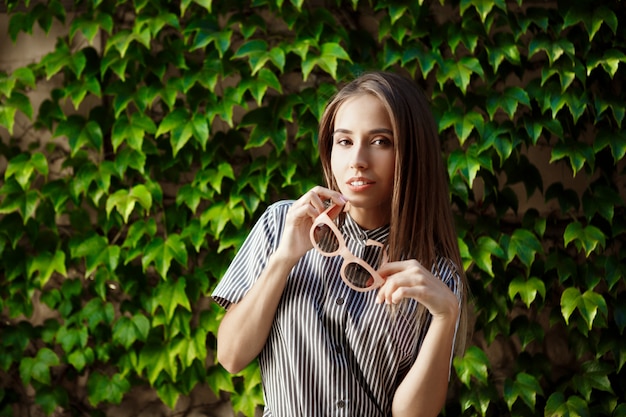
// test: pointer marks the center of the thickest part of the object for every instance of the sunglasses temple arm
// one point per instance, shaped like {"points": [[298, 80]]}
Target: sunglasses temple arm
{"points": [[384, 257]]}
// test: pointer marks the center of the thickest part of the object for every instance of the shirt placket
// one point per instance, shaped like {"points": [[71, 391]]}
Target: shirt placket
{"points": [[340, 400]]}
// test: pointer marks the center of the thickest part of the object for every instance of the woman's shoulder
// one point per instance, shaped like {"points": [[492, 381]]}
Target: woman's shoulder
{"points": [[281, 205], [276, 212], [278, 208], [449, 272]]}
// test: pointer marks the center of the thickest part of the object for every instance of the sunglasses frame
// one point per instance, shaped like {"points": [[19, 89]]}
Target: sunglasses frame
{"points": [[327, 218]]}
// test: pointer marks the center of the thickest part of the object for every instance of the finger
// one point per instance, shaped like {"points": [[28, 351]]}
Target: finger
{"points": [[304, 214], [410, 266], [316, 202], [388, 292], [327, 194]]}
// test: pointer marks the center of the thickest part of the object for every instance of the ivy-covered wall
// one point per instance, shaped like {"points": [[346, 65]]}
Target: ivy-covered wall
{"points": [[172, 124]]}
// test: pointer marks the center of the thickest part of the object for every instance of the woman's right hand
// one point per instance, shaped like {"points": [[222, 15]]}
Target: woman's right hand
{"points": [[295, 241]]}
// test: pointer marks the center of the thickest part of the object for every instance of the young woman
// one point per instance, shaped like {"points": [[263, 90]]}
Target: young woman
{"points": [[352, 296]]}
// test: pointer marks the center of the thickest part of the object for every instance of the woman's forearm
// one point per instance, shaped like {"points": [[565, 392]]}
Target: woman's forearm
{"points": [[246, 325], [423, 390]]}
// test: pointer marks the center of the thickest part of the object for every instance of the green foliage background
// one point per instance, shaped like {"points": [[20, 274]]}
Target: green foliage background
{"points": [[124, 217]]}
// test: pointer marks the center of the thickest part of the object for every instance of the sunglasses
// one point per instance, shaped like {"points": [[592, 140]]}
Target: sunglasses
{"points": [[327, 239]]}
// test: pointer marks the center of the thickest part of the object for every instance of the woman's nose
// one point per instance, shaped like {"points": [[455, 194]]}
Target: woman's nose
{"points": [[358, 157]]}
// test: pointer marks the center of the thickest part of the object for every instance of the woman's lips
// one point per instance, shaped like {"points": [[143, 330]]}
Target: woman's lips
{"points": [[358, 184]]}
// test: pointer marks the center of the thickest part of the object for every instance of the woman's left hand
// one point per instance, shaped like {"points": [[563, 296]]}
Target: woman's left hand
{"points": [[409, 279]]}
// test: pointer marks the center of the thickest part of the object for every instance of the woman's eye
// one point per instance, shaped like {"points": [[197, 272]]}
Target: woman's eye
{"points": [[343, 141], [382, 141]]}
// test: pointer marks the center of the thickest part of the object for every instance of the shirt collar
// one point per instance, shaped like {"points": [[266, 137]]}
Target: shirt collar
{"points": [[353, 230]]}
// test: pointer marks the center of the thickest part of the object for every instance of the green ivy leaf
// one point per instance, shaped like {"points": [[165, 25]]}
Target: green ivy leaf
{"points": [[483, 8], [614, 140], [578, 154], [90, 28], [609, 61], [80, 133], [131, 131], [482, 252], [248, 401], [200, 129], [45, 264], [473, 365], [554, 49], [190, 196], [128, 330], [592, 19], [558, 406], [585, 238], [96, 311], [122, 40], [615, 271], [102, 389], [71, 338], [124, 201], [468, 163], [593, 376], [24, 203], [567, 71], [168, 393], [38, 368], [174, 119], [460, 72], [601, 200], [526, 387], [522, 244], [480, 399], [79, 359], [505, 48], [93, 248], [527, 289], [21, 169], [7, 117], [256, 51], [55, 61], [464, 122], [219, 380], [154, 359], [587, 303], [535, 126], [188, 349], [526, 330], [21, 102], [161, 253], [426, 58], [170, 295], [508, 101], [330, 52]]}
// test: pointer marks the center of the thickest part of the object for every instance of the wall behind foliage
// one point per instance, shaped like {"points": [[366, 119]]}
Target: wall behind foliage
{"points": [[158, 131]]}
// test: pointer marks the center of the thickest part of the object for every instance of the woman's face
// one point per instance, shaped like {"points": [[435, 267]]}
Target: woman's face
{"points": [[363, 159]]}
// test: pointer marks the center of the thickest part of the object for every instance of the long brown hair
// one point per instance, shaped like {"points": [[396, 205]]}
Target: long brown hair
{"points": [[421, 225]]}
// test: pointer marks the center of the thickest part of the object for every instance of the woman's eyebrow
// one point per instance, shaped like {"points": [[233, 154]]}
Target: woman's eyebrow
{"points": [[373, 131]]}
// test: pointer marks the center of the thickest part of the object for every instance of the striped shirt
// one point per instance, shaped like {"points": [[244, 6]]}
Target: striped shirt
{"points": [[331, 351]]}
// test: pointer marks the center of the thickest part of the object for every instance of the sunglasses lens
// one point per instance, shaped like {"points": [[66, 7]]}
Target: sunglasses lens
{"points": [[358, 276], [325, 238]]}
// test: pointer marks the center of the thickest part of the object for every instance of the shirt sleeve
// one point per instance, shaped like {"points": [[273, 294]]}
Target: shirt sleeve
{"points": [[449, 274], [252, 258]]}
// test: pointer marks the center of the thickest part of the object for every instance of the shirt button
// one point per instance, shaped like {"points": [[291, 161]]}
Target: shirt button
{"points": [[338, 348], [341, 404], [339, 301]]}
